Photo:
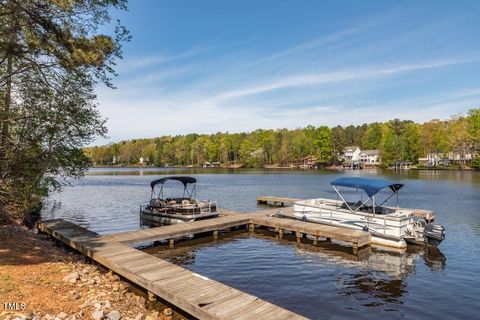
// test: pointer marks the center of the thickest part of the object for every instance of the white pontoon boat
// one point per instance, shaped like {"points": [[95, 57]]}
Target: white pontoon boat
{"points": [[389, 226]]}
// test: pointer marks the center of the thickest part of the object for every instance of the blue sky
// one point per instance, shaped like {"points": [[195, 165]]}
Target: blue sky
{"points": [[209, 66]]}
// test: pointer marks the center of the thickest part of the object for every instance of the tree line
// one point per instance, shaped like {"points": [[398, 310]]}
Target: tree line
{"points": [[396, 139], [51, 58]]}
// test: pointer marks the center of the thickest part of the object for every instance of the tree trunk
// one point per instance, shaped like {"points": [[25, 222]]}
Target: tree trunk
{"points": [[6, 119]]}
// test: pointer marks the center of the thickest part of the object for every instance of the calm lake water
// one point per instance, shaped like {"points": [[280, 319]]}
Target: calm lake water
{"points": [[325, 282]]}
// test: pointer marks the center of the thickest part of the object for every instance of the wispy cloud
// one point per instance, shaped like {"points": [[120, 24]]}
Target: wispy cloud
{"points": [[347, 76]]}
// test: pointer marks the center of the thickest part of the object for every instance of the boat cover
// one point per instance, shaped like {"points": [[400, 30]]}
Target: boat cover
{"points": [[184, 180], [370, 186]]}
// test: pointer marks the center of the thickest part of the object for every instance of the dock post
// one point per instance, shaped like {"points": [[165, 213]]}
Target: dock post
{"points": [[151, 296], [171, 243], [315, 241], [251, 227], [280, 234], [299, 236], [215, 234], [355, 248]]}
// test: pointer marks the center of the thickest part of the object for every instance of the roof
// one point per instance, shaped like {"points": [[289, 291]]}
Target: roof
{"points": [[370, 152], [353, 148], [370, 186], [184, 180]]}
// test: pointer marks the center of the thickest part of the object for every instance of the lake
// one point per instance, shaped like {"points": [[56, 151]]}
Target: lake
{"points": [[325, 282]]}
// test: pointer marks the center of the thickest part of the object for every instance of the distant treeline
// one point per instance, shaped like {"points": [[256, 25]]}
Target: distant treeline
{"points": [[396, 140]]}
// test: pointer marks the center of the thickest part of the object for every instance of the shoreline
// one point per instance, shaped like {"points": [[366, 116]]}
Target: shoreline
{"points": [[329, 168], [62, 284]]}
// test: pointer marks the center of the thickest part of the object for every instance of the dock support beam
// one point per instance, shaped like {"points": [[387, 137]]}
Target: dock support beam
{"points": [[280, 233], [215, 234], [251, 227], [299, 236], [315, 241], [355, 248], [171, 243]]}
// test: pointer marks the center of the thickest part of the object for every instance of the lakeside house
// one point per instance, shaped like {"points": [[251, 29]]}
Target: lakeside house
{"points": [[370, 157], [351, 153], [355, 157]]}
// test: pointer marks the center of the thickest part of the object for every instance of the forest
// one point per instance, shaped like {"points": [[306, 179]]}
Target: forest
{"points": [[397, 140]]}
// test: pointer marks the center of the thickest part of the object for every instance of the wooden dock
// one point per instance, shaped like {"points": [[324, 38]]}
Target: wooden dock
{"points": [[273, 201], [276, 201], [197, 295]]}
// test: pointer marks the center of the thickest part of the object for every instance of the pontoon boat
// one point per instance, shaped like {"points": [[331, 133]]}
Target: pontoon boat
{"points": [[389, 226], [161, 210]]}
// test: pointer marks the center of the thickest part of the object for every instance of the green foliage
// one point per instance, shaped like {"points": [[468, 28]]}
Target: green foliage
{"points": [[397, 140], [51, 57]]}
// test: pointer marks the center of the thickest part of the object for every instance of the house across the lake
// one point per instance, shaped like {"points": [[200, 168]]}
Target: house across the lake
{"points": [[370, 157], [353, 154]]}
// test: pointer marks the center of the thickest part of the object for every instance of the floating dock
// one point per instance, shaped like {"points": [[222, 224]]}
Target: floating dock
{"points": [[195, 294], [273, 201]]}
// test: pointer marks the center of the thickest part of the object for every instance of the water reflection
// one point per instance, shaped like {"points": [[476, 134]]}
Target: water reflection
{"points": [[374, 276]]}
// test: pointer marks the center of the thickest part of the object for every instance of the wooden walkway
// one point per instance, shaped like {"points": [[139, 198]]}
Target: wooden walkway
{"points": [[273, 201], [276, 201], [197, 295], [264, 218], [357, 238]]}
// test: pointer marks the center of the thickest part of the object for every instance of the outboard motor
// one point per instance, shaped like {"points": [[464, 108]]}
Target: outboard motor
{"points": [[434, 234]]}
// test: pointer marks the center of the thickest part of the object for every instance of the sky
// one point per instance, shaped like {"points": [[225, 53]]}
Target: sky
{"points": [[235, 66]]}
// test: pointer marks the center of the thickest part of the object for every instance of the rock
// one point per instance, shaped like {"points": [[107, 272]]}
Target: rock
{"points": [[154, 314], [138, 317], [19, 316], [62, 315], [114, 315], [149, 318], [48, 317], [97, 314], [115, 287], [71, 277], [140, 300], [107, 305], [168, 312]]}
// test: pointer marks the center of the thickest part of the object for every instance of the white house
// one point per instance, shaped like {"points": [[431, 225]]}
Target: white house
{"points": [[370, 157], [351, 153]]}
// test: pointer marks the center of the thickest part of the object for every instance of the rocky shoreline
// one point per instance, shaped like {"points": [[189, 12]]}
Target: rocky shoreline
{"points": [[55, 283]]}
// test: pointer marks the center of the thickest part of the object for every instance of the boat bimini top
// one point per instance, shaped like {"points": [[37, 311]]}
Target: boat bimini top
{"points": [[186, 181], [370, 186]]}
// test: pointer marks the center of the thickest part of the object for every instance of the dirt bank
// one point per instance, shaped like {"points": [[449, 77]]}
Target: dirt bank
{"points": [[40, 279]]}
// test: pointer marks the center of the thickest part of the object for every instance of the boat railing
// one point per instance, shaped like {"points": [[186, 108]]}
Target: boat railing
{"points": [[322, 211]]}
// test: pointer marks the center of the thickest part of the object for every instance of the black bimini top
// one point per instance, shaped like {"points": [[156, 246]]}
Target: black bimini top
{"points": [[184, 180], [370, 186]]}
